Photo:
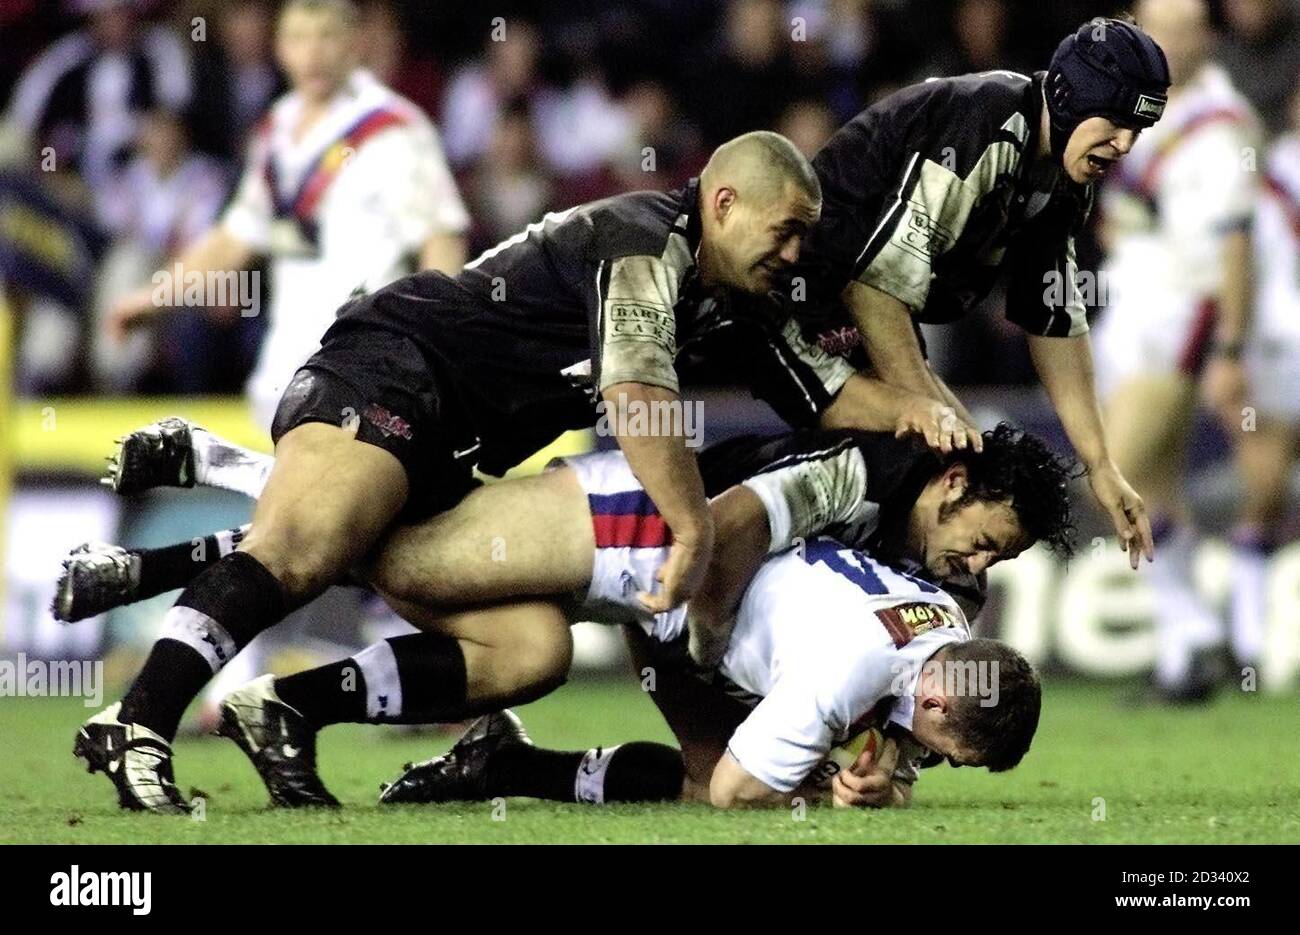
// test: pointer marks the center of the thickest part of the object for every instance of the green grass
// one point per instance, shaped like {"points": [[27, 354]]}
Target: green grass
{"points": [[1226, 773]]}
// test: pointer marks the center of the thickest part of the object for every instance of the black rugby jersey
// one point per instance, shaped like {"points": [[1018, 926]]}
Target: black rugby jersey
{"points": [[531, 331], [931, 195]]}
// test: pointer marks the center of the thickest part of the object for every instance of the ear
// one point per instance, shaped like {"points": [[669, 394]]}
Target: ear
{"points": [[724, 199], [955, 481]]}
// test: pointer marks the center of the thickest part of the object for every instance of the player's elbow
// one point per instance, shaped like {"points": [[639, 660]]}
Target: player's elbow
{"points": [[732, 787]]}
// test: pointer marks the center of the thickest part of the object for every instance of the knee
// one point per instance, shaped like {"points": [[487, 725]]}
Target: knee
{"points": [[304, 564], [544, 663], [395, 578]]}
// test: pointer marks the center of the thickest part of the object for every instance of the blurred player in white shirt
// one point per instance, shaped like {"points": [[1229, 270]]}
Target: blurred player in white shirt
{"points": [[345, 185], [345, 188], [1177, 228], [1266, 455]]}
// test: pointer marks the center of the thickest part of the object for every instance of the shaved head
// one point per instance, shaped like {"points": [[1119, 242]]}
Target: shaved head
{"points": [[761, 164], [759, 196]]}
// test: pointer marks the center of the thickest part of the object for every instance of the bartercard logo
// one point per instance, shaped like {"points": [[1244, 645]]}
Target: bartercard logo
{"points": [[103, 888]]}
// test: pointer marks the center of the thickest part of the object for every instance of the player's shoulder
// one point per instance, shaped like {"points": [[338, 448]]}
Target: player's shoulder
{"points": [[638, 223], [986, 98]]}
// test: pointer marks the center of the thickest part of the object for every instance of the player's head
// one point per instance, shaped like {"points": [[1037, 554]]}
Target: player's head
{"points": [[1182, 30], [758, 197], [977, 704], [985, 507], [315, 44], [1107, 82]]}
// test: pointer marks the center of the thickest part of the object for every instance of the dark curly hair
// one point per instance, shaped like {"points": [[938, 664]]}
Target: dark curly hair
{"points": [[1018, 467]]}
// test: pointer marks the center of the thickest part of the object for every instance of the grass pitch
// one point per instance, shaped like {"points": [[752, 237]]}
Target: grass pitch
{"points": [[1225, 773]]}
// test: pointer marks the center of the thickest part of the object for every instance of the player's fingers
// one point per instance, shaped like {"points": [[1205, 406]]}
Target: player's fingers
{"points": [[1145, 536], [842, 796], [976, 439], [650, 602], [853, 782]]}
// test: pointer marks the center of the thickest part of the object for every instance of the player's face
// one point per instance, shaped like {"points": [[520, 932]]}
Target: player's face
{"points": [[314, 47], [930, 725], [1094, 146], [757, 239], [969, 537]]}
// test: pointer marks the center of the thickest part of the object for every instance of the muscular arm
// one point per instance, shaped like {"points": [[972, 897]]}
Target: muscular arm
{"points": [[668, 471], [885, 324], [886, 327], [1065, 367], [741, 543]]}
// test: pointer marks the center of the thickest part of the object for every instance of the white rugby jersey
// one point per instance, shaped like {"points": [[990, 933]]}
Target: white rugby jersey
{"points": [[348, 205], [1277, 245], [828, 641], [1188, 181]]}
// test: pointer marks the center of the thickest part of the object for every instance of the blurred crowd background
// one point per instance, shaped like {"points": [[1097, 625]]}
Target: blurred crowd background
{"points": [[560, 114]]}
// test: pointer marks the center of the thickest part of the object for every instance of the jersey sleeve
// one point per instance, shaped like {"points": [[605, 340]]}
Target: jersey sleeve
{"points": [[638, 329], [786, 735], [809, 709], [938, 188], [806, 494]]}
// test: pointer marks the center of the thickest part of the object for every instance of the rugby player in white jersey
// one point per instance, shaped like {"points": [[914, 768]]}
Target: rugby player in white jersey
{"points": [[831, 646], [345, 188], [1271, 358], [587, 530], [1177, 228]]}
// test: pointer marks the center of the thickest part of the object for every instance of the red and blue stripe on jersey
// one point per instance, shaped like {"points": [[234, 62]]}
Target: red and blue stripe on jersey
{"points": [[627, 519]]}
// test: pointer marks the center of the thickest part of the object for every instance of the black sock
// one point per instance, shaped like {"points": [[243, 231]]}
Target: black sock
{"points": [[215, 617], [632, 772], [414, 679], [334, 693], [174, 566]]}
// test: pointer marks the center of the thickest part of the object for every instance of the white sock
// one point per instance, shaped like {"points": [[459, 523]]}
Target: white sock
{"points": [[1249, 601], [1184, 624], [589, 783], [219, 463]]}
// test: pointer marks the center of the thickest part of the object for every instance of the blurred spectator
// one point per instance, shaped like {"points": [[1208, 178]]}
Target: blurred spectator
{"points": [[747, 78], [507, 72], [979, 35], [84, 95], [381, 36], [507, 191], [1261, 50], [235, 78], [163, 201], [665, 147], [808, 124], [856, 48]]}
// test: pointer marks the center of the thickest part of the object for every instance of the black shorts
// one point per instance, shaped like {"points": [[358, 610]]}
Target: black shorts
{"points": [[380, 381]]}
